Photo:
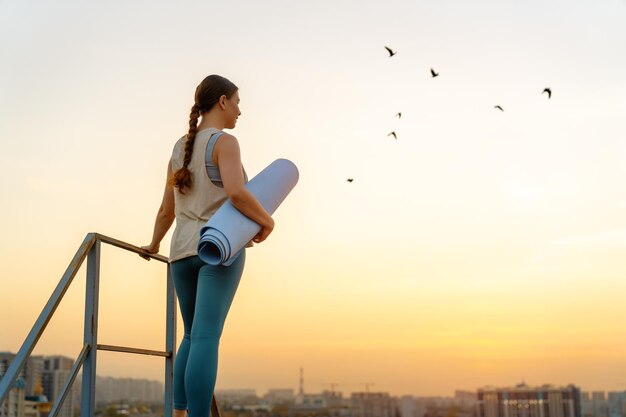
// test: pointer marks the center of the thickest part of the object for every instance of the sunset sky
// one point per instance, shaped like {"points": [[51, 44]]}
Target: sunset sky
{"points": [[479, 248]]}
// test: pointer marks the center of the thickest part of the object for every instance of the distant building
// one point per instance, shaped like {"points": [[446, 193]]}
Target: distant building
{"points": [[308, 405], [461, 405], [13, 405], [436, 402], [465, 398], [599, 404], [37, 405], [586, 403], [310, 402], [332, 399], [43, 378], [409, 406], [55, 373], [30, 373], [525, 401], [16, 404], [617, 404], [372, 404], [109, 389], [279, 396], [238, 396], [595, 404]]}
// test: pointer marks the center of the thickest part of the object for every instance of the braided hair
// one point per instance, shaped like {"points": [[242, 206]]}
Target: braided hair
{"points": [[207, 95]]}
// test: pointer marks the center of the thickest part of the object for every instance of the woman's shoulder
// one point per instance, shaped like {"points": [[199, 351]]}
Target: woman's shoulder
{"points": [[179, 148], [180, 141], [226, 139], [226, 143]]}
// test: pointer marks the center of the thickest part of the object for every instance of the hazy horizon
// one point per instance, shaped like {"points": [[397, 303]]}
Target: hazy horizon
{"points": [[260, 392]]}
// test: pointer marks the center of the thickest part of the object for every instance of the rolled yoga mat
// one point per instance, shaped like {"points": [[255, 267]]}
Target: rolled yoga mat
{"points": [[228, 231]]}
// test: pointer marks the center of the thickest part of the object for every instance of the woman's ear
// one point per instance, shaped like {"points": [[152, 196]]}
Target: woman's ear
{"points": [[222, 102]]}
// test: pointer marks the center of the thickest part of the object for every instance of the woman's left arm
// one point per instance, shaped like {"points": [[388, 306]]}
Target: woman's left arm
{"points": [[164, 218]]}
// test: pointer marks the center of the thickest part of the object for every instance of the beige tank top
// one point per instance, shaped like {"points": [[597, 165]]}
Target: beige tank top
{"points": [[194, 208]]}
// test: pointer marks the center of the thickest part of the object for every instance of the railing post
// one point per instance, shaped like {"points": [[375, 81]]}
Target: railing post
{"points": [[170, 343], [87, 405]]}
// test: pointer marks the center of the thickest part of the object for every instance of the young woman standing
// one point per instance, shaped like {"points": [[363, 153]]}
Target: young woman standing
{"points": [[204, 171]]}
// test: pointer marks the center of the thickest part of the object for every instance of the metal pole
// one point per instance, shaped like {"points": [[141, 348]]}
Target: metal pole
{"points": [[170, 343], [87, 405]]}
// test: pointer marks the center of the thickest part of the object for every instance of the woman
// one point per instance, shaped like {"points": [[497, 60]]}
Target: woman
{"points": [[204, 170]]}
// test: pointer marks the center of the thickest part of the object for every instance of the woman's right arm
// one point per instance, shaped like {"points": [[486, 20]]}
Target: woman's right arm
{"points": [[165, 216], [227, 157]]}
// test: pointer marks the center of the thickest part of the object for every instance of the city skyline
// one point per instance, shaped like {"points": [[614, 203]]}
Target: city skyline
{"points": [[477, 246], [125, 397], [328, 387], [519, 400]]}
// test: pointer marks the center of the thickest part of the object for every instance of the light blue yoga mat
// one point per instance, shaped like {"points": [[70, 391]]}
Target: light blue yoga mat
{"points": [[228, 231]]}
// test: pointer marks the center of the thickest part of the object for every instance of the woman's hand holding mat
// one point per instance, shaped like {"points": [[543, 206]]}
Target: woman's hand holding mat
{"points": [[228, 231]]}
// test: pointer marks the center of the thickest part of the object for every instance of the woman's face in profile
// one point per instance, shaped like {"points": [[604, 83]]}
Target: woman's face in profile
{"points": [[232, 110]]}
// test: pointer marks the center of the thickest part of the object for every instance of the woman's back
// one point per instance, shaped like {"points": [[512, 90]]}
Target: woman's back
{"points": [[199, 202]]}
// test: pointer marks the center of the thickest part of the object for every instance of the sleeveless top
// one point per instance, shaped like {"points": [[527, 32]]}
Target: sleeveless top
{"points": [[194, 208]]}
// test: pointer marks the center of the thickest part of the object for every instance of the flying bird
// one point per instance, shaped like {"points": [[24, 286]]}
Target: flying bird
{"points": [[350, 179], [498, 107], [391, 53], [394, 135], [399, 115], [547, 90], [433, 73]]}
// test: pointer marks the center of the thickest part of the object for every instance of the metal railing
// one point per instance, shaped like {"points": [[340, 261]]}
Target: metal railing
{"points": [[90, 249]]}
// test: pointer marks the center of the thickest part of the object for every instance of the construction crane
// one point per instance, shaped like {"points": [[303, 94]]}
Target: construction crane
{"points": [[332, 385], [367, 385]]}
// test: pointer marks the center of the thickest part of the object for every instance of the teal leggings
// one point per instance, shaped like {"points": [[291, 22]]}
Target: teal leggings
{"points": [[205, 293]]}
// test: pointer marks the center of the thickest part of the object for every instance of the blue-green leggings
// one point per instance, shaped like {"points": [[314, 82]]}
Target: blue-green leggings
{"points": [[205, 293]]}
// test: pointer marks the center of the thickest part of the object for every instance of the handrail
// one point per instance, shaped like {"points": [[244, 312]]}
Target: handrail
{"points": [[90, 250], [35, 333], [129, 247]]}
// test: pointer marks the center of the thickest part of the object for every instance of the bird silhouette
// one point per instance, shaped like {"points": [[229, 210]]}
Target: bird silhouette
{"points": [[350, 179], [433, 73], [547, 90], [394, 135], [498, 107], [399, 115], [391, 53]]}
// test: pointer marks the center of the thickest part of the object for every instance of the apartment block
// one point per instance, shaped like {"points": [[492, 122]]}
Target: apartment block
{"points": [[372, 404], [526, 401]]}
